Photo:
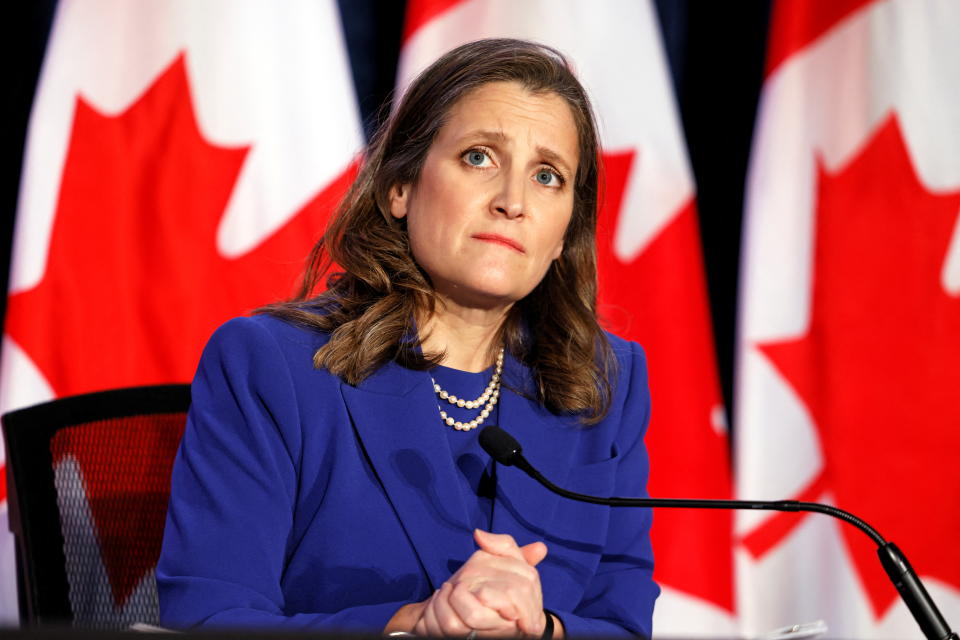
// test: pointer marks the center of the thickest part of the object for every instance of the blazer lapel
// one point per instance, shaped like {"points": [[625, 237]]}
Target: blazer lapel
{"points": [[524, 508], [396, 418]]}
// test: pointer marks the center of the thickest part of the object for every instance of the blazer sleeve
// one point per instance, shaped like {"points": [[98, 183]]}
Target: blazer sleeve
{"points": [[233, 491], [619, 599]]}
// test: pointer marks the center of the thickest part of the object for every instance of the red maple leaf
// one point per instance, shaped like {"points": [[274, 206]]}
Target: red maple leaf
{"points": [[659, 299], [134, 284], [878, 366]]}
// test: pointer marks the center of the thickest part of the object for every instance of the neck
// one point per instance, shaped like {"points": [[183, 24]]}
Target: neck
{"points": [[467, 336]]}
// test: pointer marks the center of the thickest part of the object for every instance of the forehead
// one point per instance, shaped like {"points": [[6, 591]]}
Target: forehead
{"points": [[542, 118]]}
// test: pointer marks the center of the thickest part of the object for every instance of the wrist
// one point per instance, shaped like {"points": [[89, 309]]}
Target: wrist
{"points": [[553, 628], [405, 619]]}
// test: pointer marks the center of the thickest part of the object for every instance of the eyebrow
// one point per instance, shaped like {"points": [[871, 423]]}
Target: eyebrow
{"points": [[549, 154]]}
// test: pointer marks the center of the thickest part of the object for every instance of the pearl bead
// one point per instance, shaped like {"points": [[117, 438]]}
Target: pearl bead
{"points": [[491, 393]]}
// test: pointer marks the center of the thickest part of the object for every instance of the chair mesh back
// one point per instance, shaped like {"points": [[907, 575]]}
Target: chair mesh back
{"points": [[112, 479]]}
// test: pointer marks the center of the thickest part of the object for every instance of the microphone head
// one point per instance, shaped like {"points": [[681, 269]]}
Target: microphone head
{"points": [[500, 445]]}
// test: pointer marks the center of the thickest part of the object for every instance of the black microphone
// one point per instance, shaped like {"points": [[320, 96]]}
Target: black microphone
{"points": [[505, 449]]}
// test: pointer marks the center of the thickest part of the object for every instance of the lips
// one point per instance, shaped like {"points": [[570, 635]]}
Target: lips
{"points": [[501, 240]]}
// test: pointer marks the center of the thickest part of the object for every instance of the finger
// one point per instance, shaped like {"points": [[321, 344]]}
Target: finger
{"points": [[507, 585], [498, 610], [451, 624], [432, 625], [513, 592], [482, 563], [534, 553], [512, 600], [420, 628], [525, 596], [476, 615], [500, 544], [534, 627]]}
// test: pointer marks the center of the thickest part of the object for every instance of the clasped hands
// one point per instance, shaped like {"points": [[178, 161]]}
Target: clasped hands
{"points": [[496, 593]]}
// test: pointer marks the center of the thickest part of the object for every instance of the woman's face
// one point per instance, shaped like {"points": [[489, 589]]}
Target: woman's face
{"points": [[488, 213]]}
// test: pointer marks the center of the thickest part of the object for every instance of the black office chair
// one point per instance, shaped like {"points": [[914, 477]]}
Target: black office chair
{"points": [[88, 482]]}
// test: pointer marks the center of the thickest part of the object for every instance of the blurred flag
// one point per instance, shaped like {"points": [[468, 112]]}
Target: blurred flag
{"points": [[182, 158], [652, 280], [849, 354]]}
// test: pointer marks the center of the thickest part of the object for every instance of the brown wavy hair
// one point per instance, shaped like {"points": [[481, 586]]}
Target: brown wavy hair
{"points": [[370, 307]]}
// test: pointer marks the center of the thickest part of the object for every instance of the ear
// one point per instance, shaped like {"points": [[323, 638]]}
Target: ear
{"points": [[399, 197]]}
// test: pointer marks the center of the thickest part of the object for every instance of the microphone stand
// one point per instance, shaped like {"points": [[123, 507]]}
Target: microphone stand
{"points": [[503, 448]]}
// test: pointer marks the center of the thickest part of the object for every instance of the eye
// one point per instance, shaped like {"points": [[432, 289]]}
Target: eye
{"points": [[548, 177], [477, 158]]}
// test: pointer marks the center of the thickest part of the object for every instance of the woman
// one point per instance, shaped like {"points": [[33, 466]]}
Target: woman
{"points": [[330, 475]]}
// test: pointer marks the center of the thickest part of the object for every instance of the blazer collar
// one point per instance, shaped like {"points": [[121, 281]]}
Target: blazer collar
{"points": [[396, 417], [524, 508]]}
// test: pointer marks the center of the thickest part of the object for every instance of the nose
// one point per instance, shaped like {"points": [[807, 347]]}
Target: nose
{"points": [[509, 199]]}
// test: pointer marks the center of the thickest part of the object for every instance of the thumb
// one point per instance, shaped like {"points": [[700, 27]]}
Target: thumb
{"points": [[534, 553], [498, 544]]}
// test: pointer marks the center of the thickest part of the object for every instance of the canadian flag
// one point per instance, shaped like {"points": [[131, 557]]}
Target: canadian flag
{"points": [[652, 281], [848, 386], [182, 157]]}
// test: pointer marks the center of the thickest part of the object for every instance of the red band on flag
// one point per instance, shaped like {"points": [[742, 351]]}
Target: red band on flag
{"points": [[420, 13], [792, 30]]}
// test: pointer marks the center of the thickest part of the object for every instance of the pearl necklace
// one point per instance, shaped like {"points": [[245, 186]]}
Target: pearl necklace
{"points": [[489, 397]]}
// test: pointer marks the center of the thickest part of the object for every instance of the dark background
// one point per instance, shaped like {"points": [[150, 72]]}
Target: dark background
{"points": [[715, 51]]}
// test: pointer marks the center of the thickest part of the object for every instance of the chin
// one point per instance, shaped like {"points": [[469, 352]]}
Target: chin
{"points": [[488, 288], [487, 297]]}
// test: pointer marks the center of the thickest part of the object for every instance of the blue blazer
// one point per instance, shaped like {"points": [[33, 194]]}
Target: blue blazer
{"points": [[300, 501]]}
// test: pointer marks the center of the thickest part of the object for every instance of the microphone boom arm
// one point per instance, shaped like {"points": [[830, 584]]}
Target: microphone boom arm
{"points": [[503, 448]]}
